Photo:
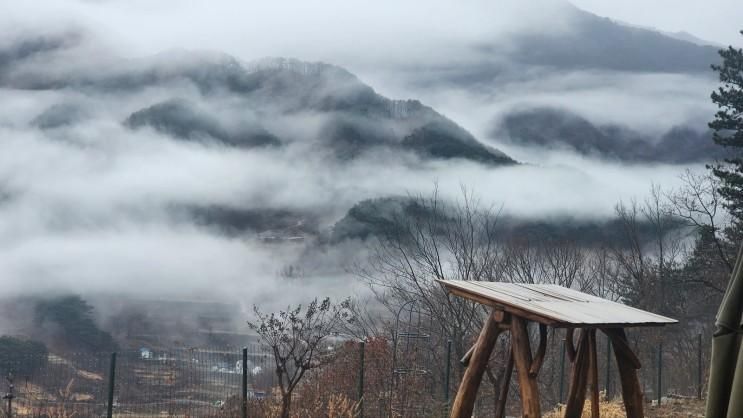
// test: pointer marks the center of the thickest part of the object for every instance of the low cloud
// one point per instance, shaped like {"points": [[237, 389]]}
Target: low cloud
{"points": [[89, 205]]}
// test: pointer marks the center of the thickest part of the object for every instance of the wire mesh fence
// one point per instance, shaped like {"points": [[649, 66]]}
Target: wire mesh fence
{"points": [[372, 379], [137, 383], [181, 382], [55, 386]]}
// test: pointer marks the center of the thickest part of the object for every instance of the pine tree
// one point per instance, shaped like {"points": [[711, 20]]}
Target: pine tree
{"points": [[728, 132]]}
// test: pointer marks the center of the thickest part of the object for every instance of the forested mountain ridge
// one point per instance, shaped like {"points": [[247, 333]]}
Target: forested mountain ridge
{"points": [[215, 98]]}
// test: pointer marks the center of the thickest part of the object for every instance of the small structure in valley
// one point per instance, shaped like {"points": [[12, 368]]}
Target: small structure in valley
{"points": [[513, 306]]}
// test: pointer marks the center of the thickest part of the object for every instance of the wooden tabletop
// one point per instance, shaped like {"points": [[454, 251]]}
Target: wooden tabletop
{"points": [[554, 305]]}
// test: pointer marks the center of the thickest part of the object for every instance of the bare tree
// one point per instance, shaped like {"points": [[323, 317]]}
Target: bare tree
{"points": [[546, 261], [604, 273], [649, 252], [295, 337], [521, 262], [434, 241], [366, 320], [699, 204], [430, 240]]}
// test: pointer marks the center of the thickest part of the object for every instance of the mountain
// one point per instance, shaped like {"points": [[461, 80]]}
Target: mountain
{"points": [[213, 98], [546, 127], [688, 37], [59, 115], [184, 120], [383, 216], [276, 224], [581, 42], [594, 42]]}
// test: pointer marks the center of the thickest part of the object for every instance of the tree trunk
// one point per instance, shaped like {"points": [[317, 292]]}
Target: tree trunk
{"points": [[286, 403]]}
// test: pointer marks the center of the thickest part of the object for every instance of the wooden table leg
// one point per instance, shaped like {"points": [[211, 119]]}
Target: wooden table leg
{"points": [[627, 363], [570, 344], [579, 376], [593, 374], [464, 402], [523, 360], [500, 410], [541, 351]]}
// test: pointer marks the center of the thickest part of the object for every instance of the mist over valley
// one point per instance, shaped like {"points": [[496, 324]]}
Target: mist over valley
{"points": [[146, 166]]}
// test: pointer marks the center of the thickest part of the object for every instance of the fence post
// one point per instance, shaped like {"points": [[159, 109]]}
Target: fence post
{"points": [[111, 381], [244, 407], [699, 366], [607, 387], [10, 395], [362, 348], [660, 372], [448, 374], [562, 371]]}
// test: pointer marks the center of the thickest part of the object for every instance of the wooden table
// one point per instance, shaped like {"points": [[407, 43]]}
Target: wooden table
{"points": [[513, 306]]}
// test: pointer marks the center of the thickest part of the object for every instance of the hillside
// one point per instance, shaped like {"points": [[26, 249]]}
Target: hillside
{"points": [[594, 42], [551, 128], [384, 216], [213, 98]]}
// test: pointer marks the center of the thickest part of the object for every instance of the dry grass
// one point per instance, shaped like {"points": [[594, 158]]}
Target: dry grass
{"points": [[615, 409], [608, 410], [677, 408], [334, 406]]}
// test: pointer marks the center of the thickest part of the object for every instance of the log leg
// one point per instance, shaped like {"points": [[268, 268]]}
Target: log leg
{"points": [[577, 393], [523, 360], [570, 344], [500, 410], [541, 350], [627, 363], [593, 374], [464, 402]]}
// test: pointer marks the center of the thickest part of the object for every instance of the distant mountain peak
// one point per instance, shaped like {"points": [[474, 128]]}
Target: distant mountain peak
{"points": [[298, 66], [595, 42], [688, 37]]}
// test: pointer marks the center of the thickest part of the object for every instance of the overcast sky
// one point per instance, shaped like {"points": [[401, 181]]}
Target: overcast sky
{"points": [[337, 31], [345, 31], [714, 20]]}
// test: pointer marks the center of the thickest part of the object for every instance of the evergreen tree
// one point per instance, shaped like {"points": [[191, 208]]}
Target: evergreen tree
{"points": [[728, 132], [71, 322]]}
